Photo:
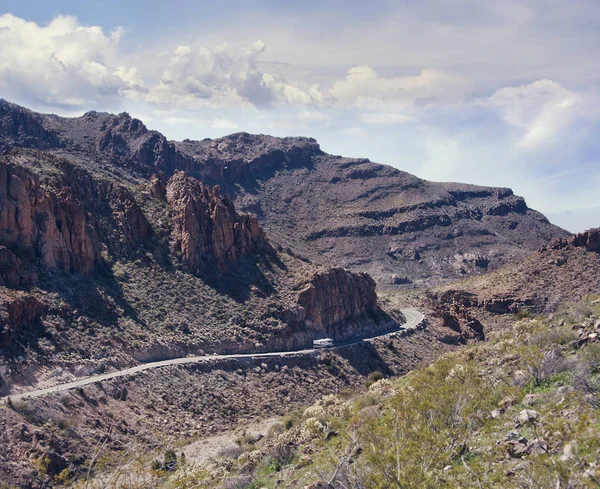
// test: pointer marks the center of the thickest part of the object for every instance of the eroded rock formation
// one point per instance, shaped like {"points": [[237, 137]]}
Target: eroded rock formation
{"points": [[452, 308], [46, 226], [207, 229], [335, 296], [590, 240]]}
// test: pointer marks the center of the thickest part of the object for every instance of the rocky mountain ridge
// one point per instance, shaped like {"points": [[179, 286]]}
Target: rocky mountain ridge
{"points": [[349, 212]]}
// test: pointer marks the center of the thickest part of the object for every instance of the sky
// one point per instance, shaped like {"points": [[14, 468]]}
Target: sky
{"points": [[491, 93]]}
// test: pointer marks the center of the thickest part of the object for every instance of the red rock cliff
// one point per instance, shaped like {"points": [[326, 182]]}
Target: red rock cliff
{"points": [[336, 295], [51, 228], [206, 227]]}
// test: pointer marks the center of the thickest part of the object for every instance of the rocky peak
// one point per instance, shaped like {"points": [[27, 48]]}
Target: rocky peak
{"points": [[241, 155], [23, 127], [208, 231]]}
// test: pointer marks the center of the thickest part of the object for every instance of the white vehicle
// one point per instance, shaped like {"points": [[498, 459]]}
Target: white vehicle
{"points": [[323, 343]]}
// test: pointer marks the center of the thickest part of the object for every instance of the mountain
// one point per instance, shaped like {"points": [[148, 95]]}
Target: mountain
{"points": [[351, 212], [109, 258], [119, 247]]}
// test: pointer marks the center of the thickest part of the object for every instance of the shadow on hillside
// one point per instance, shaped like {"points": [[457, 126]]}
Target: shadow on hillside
{"points": [[251, 183], [66, 298], [365, 359], [249, 276]]}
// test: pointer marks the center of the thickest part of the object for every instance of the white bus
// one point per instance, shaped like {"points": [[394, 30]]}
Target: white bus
{"points": [[323, 343]]}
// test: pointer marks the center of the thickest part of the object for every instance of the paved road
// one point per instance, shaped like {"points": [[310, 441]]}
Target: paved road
{"points": [[413, 320]]}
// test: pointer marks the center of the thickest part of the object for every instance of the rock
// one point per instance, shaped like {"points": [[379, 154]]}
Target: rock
{"points": [[507, 402], [590, 240], [537, 446], [17, 311], [496, 413], [207, 229], [336, 295], [516, 449], [49, 227], [527, 416], [453, 308], [569, 451], [520, 378], [129, 217], [157, 187]]}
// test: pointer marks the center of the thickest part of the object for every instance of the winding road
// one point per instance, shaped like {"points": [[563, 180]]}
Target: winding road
{"points": [[413, 319]]}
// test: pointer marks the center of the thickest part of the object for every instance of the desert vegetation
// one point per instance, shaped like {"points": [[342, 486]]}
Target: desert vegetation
{"points": [[520, 410]]}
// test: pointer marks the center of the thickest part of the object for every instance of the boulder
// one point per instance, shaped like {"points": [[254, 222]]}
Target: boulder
{"points": [[527, 416]]}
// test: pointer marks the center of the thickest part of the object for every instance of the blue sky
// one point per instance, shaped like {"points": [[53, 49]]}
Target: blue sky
{"points": [[493, 93]]}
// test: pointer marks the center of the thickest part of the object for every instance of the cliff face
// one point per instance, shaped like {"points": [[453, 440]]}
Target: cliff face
{"points": [[49, 227], [206, 227], [336, 296]]}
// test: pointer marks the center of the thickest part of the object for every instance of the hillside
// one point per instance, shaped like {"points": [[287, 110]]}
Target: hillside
{"points": [[118, 247], [95, 275], [349, 212], [520, 410]]}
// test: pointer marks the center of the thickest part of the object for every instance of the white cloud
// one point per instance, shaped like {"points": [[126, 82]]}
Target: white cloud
{"points": [[224, 124], [364, 87], [385, 118], [541, 110], [62, 64], [313, 116], [356, 132]]}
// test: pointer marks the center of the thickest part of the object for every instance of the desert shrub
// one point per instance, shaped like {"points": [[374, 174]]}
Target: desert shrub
{"points": [[276, 430], [590, 357], [523, 313], [426, 424], [284, 453], [373, 377]]}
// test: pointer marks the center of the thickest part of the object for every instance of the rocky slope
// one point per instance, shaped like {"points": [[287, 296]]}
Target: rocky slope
{"points": [[566, 270], [519, 410], [349, 212], [99, 272]]}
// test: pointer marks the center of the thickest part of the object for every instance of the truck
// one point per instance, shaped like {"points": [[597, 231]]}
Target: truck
{"points": [[323, 343]]}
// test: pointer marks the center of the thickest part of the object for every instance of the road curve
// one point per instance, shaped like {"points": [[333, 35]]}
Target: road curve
{"points": [[413, 319]]}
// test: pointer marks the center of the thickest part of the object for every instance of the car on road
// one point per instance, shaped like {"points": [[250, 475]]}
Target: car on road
{"points": [[323, 343]]}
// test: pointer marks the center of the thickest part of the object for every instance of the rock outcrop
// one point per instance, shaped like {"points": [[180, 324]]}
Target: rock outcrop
{"points": [[208, 231], [241, 155], [51, 228], [129, 217], [335, 296], [590, 240], [24, 128], [452, 308], [17, 311]]}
